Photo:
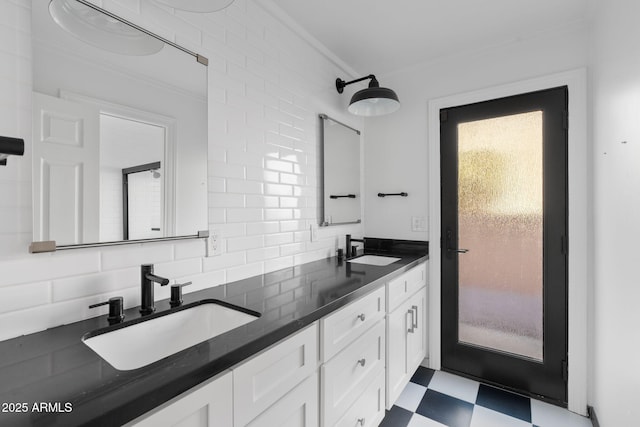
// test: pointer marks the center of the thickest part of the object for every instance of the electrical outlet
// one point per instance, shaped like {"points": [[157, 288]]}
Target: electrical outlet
{"points": [[313, 231], [214, 245]]}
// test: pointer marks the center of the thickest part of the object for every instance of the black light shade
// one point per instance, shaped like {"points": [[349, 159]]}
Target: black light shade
{"points": [[372, 101], [10, 146]]}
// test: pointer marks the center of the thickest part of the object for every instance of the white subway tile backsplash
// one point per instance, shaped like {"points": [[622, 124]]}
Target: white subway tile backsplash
{"points": [[254, 201], [203, 281], [261, 254], [173, 269], [41, 267], [243, 243], [278, 189], [266, 87], [195, 248], [226, 200], [223, 261], [278, 214], [278, 239], [265, 227], [94, 284], [244, 215], [119, 257], [244, 187], [24, 296], [247, 270]]}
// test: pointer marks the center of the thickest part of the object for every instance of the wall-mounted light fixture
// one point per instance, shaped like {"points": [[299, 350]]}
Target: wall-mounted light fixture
{"points": [[197, 5], [99, 28], [10, 146], [372, 101]]}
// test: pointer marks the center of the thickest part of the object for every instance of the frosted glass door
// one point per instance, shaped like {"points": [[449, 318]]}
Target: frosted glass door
{"points": [[503, 241], [500, 220]]}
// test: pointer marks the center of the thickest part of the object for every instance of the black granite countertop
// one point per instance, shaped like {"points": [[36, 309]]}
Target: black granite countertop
{"points": [[56, 368]]}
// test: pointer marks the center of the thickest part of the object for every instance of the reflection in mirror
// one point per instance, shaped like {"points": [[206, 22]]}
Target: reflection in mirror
{"points": [[341, 173], [119, 130]]}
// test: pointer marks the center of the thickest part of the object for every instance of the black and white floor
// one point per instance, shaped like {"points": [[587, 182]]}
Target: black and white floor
{"points": [[436, 398]]}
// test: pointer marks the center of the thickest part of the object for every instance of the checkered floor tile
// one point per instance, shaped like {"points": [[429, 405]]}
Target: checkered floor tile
{"points": [[437, 399]]}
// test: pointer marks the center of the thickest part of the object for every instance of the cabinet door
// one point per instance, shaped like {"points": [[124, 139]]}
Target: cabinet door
{"points": [[298, 408], [263, 380], [205, 405], [417, 338], [398, 322]]}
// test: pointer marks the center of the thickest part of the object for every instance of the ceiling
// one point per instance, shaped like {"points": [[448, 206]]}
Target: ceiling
{"points": [[382, 36]]}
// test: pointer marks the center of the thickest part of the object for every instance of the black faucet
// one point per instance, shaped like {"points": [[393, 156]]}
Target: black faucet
{"points": [[147, 279], [349, 251]]}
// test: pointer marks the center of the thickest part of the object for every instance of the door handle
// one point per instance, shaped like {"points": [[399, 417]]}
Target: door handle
{"points": [[460, 251], [449, 247]]}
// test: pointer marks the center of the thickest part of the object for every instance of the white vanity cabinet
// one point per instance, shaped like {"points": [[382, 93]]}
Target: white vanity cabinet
{"points": [[353, 348], [342, 370], [406, 329], [208, 404]]}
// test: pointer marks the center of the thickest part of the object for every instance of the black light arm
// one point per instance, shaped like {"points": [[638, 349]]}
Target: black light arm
{"points": [[10, 146], [340, 84]]}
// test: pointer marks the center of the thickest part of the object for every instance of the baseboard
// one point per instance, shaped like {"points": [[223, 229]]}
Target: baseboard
{"points": [[592, 415]]}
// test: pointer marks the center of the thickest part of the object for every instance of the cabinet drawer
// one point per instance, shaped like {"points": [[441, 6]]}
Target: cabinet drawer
{"points": [[406, 285], [206, 404], [340, 328], [346, 376], [263, 380], [298, 408], [368, 410]]}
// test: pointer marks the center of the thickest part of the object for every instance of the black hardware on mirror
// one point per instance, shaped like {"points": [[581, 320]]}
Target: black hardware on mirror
{"points": [[116, 311], [403, 194], [10, 146], [350, 196], [176, 294]]}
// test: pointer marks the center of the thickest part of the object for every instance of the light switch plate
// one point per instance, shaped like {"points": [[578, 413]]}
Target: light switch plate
{"points": [[418, 223]]}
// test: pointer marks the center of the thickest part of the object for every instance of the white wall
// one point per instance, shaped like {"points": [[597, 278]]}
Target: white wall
{"points": [[616, 158], [396, 145], [266, 87]]}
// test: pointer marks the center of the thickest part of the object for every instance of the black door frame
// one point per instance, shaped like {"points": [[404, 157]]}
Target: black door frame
{"points": [[125, 192], [554, 196]]}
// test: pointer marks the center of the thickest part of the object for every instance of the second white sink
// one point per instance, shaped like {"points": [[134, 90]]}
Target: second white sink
{"points": [[140, 344], [374, 260]]}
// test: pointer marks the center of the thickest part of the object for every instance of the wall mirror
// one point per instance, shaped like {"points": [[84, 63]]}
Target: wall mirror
{"points": [[119, 130], [341, 196]]}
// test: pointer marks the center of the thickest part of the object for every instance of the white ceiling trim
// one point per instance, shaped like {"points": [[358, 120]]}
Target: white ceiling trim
{"points": [[277, 12]]}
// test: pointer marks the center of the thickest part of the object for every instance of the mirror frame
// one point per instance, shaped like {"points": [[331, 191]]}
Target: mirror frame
{"points": [[322, 215], [50, 246]]}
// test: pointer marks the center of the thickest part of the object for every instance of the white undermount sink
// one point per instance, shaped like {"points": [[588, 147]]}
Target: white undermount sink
{"points": [[142, 343], [374, 260]]}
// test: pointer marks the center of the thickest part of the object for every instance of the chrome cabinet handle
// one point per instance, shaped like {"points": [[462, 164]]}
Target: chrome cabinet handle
{"points": [[361, 316], [362, 361], [361, 421], [413, 321]]}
